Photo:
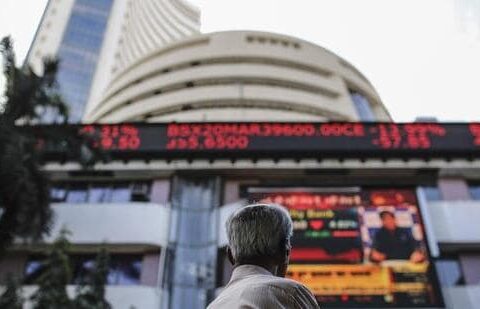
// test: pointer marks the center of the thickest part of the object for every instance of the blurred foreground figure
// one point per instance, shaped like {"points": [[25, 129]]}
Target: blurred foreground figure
{"points": [[259, 249]]}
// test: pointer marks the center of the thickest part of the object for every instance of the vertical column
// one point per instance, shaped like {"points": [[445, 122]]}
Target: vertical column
{"points": [[453, 189], [192, 257], [471, 268], [149, 272]]}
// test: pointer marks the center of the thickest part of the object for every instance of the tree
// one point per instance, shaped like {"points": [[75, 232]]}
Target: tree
{"points": [[52, 283], [24, 189], [56, 275], [24, 196], [28, 96], [91, 294], [10, 297]]}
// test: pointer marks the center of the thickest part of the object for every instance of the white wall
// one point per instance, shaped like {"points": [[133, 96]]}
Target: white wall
{"points": [[130, 223], [120, 297], [455, 221]]}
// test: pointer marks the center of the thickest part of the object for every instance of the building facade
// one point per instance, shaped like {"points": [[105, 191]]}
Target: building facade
{"points": [[92, 38], [161, 210], [239, 75], [161, 213]]}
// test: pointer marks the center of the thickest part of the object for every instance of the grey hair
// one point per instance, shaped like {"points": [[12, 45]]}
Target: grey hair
{"points": [[259, 231]]}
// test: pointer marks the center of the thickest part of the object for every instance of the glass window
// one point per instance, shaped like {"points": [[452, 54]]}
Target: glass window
{"points": [[449, 272], [79, 51], [77, 194], [33, 270], [474, 192], [58, 194], [99, 194], [432, 193], [81, 266], [121, 193], [362, 105], [141, 192], [205, 230], [123, 269]]}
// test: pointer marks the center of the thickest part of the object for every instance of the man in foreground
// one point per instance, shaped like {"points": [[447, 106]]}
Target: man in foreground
{"points": [[259, 249]]}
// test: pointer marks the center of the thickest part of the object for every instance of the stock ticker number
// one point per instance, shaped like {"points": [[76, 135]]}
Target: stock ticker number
{"points": [[211, 142], [238, 136], [229, 136], [255, 136], [408, 136], [113, 137]]}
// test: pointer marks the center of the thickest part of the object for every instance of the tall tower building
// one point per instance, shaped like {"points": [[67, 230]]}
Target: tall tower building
{"points": [[92, 38]]}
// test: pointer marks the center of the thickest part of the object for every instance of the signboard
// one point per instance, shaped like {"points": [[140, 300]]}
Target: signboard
{"points": [[276, 140], [360, 248]]}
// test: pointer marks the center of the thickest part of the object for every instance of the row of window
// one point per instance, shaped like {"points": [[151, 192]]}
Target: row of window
{"points": [[123, 269], [121, 192], [362, 106], [432, 193], [84, 34]]}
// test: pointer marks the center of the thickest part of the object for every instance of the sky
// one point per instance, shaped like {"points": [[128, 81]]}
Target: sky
{"points": [[422, 56]]}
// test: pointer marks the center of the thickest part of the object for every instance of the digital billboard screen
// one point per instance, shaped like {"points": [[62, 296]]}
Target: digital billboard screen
{"points": [[272, 140], [358, 248]]}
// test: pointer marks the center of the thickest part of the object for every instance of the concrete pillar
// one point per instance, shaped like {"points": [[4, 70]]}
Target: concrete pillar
{"points": [[453, 189], [471, 268], [160, 191], [149, 273]]}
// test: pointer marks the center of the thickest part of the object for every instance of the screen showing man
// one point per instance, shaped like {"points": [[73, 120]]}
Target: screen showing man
{"points": [[394, 243], [358, 247]]}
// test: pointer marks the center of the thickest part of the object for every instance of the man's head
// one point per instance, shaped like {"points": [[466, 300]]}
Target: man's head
{"points": [[388, 220], [260, 235]]}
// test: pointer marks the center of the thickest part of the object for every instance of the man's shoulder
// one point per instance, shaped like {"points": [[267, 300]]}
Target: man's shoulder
{"points": [[282, 283], [267, 292], [283, 289]]}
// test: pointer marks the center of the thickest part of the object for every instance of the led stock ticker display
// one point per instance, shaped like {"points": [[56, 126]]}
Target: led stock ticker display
{"points": [[355, 247], [270, 140]]}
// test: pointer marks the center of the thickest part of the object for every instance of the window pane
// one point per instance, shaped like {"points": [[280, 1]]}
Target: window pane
{"points": [[33, 269], [363, 107], [99, 194], [129, 272], [474, 192], [120, 194], [204, 230], [77, 194], [82, 266], [141, 192], [432, 193], [58, 194], [125, 270], [449, 272]]}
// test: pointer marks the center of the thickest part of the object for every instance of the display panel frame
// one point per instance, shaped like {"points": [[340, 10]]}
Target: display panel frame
{"points": [[255, 191]]}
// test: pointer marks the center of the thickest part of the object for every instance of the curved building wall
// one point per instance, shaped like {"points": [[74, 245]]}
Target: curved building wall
{"points": [[151, 24], [136, 28], [238, 75]]}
